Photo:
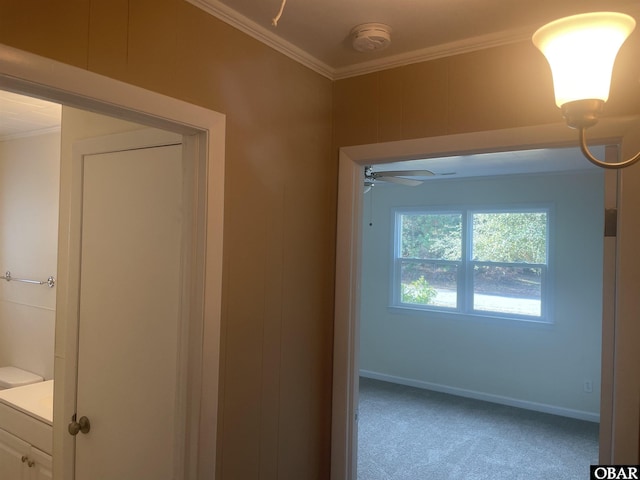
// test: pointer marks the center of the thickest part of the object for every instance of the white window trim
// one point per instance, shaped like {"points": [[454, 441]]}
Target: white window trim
{"points": [[464, 308]]}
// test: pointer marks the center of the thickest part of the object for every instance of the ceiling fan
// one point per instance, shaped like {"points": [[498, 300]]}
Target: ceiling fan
{"points": [[399, 177]]}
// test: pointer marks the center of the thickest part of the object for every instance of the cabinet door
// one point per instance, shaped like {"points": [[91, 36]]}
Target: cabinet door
{"points": [[12, 452], [41, 466]]}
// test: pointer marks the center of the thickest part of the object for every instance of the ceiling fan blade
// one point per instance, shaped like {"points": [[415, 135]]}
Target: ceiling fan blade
{"points": [[404, 173], [400, 181]]}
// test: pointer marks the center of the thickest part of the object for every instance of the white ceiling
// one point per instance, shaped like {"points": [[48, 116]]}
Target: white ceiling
{"points": [[317, 32], [546, 160], [20, 115]]}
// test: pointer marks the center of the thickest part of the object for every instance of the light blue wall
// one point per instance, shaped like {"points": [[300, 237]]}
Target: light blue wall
{"points": [[495, 358]]}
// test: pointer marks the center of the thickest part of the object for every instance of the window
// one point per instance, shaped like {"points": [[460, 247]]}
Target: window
{"points": [[490, 262]]}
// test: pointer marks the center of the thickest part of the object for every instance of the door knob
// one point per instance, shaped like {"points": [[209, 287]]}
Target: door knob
{"points": [[81, 426]]}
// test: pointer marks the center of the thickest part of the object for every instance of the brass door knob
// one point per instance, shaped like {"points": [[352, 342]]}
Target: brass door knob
{"points": [[81, 426]]}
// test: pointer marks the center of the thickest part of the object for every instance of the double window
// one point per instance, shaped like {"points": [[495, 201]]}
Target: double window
{"points": [[491, 262]]}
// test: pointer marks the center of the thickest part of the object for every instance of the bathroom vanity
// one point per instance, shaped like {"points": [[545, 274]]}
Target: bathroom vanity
{"points": [[26, 432]]}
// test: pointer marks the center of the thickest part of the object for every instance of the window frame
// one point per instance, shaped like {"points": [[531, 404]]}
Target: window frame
{"points": [[465, 287]]}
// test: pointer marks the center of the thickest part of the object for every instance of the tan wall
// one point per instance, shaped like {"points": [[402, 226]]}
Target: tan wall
{"points": [[279, 207], [502, 87]]}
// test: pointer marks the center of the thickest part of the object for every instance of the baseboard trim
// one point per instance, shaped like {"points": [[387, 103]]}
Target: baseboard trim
{"points": [[487, 397]]}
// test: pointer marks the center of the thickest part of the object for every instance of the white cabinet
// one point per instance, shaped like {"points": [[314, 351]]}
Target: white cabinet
{"points": [[21, 461], [41, 468], [12, 450]]}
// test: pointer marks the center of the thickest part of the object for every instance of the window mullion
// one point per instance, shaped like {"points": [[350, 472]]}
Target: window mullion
{"points": [[463, 288], [396, 293]]}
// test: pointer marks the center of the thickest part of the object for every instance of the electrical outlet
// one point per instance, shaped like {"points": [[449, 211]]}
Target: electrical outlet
{"points": [[588, 386]]}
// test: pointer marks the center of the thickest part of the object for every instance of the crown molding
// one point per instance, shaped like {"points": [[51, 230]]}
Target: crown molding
{"points": [[264, 35], [466, 45]]}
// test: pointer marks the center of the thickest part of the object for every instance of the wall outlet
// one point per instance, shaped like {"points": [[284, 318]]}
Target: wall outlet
{"points": [[588, 386]]}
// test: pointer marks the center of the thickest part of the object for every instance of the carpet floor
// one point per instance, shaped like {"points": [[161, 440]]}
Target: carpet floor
{"points": [[407, 433]]}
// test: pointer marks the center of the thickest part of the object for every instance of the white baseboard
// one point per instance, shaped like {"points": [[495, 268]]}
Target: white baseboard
{"points": [[487, 397]]}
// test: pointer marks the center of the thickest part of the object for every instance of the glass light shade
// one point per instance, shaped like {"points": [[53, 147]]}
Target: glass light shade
{"points": [[581, 50]]}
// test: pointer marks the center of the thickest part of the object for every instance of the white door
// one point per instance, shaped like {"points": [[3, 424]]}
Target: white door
{"points": [[130, 315]]}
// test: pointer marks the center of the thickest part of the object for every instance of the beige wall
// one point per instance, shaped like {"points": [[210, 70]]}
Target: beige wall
{"points": [[29, 177], [275, 393]]}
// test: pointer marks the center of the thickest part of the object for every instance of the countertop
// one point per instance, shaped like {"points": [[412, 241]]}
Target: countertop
{"points": [[35, 400]]}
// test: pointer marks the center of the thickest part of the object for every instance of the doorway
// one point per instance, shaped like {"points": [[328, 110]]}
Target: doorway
{"points": [[352, 161], [464, 323], [202, 132]]}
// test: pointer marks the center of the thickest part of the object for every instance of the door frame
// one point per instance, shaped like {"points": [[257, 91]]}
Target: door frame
{"points": [[619, 414], [203, 131]]}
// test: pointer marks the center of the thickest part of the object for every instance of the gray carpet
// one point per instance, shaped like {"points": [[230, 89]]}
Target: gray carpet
{"points": [[407, 433]]}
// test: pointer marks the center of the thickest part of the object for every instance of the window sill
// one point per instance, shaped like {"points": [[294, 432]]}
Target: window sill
{"points": [[436, 314]]}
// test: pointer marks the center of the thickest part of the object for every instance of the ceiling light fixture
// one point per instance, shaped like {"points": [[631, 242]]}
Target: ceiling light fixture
{"points": [[581, 50]]}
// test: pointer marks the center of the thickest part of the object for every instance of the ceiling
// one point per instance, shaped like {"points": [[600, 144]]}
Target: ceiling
{"points": [[20, 115], [538, 161], [317, 32]]}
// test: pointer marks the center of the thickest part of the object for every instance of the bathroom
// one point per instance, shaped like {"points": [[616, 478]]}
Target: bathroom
{"points": [[29, 202]]}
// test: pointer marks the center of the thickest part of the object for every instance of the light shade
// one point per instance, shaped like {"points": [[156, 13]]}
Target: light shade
{"points": [[581, 50]]}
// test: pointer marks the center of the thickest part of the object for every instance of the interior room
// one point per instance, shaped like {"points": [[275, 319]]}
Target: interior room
{"points": [[282, 106], [518, 358]]}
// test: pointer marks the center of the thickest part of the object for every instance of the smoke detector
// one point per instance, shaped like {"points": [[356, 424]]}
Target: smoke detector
{"points": [[369, 37]]}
